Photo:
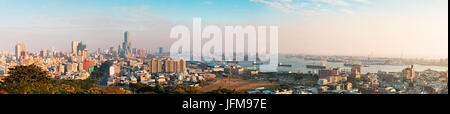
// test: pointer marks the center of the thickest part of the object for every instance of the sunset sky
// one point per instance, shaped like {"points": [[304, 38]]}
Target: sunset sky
{"points": [[388, 28]]}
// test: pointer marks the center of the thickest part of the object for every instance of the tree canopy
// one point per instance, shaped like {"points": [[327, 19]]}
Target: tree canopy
{"points": [[33, 79]]}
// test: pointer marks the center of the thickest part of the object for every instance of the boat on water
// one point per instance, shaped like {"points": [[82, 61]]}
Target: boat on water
{"points": [[233, 62], [335, 60], [348, 64], [351, 64], [284, 65], [371, 61], [317, 66], [257, 63], [313, 58]]}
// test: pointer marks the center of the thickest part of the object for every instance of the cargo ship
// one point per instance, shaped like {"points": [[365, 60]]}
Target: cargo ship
{"points": [[348, 64], [284, 65], [351, 64], [258, 63], [322, 66], [335, 60]]}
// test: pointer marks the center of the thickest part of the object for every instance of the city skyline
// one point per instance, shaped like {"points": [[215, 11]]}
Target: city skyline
{"points": [[385, 28], [232, 56]]}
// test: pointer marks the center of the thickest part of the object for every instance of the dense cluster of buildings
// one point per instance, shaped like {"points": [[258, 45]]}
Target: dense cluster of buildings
{"points": [[169, 72], [77, 63], [126, 65], [74, 65], [156, 70], [351, 81]]}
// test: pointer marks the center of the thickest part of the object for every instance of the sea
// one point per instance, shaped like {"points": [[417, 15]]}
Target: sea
{"points": [[299, 66]]}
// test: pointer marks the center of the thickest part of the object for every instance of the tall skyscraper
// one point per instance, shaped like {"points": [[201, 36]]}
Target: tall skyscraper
{"points": [[20, 49], [74, 47], [126, 37], [126, 45]]}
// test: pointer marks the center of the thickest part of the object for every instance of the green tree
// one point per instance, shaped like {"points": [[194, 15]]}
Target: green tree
{"points": [[94, 91], [33, 79], [115, 90], [86, 84]]}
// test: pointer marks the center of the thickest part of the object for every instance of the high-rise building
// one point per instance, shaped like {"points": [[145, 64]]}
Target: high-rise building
{"points": [[80, 67], [126, 51], [168, 66], [20, 49], [176, 65], [86, 65], [159, 66], [134, 51], [408, 73], [153, 65], [25, 54], [51, 52], [156, 65], [142, 54], [61, 68], [182, 65], [74, 48], [81, 48], [43, 54], [68, 68], [324, 74], [126, 37], [356, 72]]}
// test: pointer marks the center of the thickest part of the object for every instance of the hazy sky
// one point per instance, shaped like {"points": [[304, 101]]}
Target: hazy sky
{"points": [[416, 28]]}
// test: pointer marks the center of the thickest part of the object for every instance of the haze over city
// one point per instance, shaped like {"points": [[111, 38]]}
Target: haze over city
{"points": [[393, 28], [224, 47]]}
